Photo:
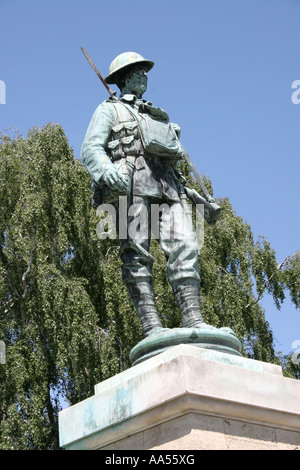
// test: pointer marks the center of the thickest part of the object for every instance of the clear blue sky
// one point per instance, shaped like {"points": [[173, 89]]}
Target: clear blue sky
{"points": [[223, 71]]}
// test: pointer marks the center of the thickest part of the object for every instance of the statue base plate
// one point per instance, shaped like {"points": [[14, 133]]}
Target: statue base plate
{"points": [[207, 337]]}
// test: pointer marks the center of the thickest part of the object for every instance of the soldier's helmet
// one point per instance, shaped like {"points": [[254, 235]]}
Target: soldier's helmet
{"points": [[123, 62]]}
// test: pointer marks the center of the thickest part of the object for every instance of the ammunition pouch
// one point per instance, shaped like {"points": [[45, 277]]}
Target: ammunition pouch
{"points": [[158, 137], [124, 140], [122, 150]]}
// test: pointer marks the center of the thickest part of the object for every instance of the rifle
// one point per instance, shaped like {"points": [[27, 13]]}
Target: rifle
{"points": [[112, 93], [211, 210]]}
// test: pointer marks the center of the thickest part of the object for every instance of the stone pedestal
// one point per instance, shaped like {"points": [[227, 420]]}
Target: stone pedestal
{"points": [[188, 398]]}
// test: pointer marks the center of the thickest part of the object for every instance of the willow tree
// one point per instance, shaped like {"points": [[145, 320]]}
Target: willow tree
{"points": [[53, 314], [65, 316]]}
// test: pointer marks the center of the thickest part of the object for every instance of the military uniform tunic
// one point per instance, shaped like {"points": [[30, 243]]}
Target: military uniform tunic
{"points": [[153, 180]]}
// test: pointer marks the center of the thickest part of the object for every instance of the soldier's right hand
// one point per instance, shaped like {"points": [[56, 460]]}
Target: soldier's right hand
{"points": [[114, 179]]}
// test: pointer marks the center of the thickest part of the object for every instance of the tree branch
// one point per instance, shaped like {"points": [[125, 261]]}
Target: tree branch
{"points": [[25, 277], [284, 263]]}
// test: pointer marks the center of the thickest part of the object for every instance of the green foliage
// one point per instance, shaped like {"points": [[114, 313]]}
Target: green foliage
{"points": [[53, 320], [65, 315], [235, 273], [291, 366]]}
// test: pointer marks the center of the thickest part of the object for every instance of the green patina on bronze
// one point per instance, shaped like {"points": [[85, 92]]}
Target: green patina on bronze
{"points": [[132, 148]]}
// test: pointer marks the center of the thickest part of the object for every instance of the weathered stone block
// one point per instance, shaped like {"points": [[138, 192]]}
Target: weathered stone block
{"points": [[188, 398]]}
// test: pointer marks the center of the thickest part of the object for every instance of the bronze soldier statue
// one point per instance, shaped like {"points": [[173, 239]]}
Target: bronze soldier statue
{"points": [[131, 148]]}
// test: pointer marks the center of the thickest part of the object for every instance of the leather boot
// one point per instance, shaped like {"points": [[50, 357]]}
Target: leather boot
{"points": [[187, 296], [142, 297]]}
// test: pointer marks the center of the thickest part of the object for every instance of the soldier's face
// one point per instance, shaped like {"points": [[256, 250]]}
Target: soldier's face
{"points": [[136, 80]]}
